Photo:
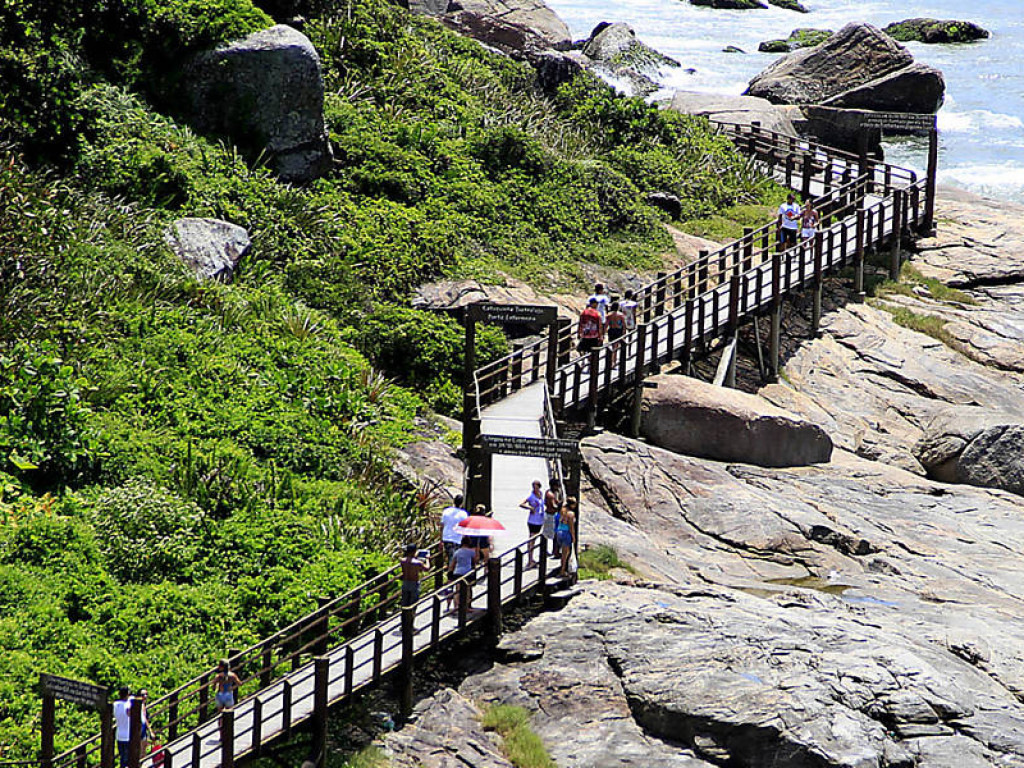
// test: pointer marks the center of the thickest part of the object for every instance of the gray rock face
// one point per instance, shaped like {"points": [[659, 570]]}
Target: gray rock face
{"points": [[266, 93], [210, 247], [688, 416], [511, 25], [974, 446], [744, 110], [844, 70], [445, 733], [615, 52], [840, 128]]}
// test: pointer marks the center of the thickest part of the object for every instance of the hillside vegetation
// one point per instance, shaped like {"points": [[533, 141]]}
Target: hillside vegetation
{"points": [[186, 466]]}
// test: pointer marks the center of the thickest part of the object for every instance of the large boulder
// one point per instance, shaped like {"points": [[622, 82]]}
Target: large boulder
{"points": [[935, 31], [266, 93], [698, 419], [857, 66], [730, 5], [804, 37], [974, 446], [631, 65], [209, 247], [515, 26], [744, 110], [839, 128]]}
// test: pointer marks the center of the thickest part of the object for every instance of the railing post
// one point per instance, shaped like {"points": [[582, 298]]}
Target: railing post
{"points": [[808, 172], [517, 368], [748, 249], [929, 189], [774, 339], [267, 664], [227, 738], [204, 698], [378, 654], [552, 358], [542, 566], [897, 234], [135, 733], [702, 271], [494, 594], [819, 244], [197, 748], [435, 621], [350, 669], [517, 573], [286, 708], [464, 598], [322, 626], [593, 360], [408, 652], [318, 740], [257, 726], [107, 737], [660, 293]]}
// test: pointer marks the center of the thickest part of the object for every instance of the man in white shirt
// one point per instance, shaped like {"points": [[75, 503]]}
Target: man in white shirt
{"points": [[789, 222], [450, 517], [602, 301], [123, 723], [628, 308]]}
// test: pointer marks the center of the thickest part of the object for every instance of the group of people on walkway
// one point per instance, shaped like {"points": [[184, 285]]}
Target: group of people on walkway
{"points": [[605, 317], [796, 222]]}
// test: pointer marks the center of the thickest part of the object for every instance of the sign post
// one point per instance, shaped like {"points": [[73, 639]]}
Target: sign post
{"points": [[51, 688]]}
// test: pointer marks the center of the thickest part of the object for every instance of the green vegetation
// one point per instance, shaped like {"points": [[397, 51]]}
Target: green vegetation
{"points": [[727, 225], [598, 562], [523, 747], [367, 757], [186, 466], [929, 325], [910, 276]]}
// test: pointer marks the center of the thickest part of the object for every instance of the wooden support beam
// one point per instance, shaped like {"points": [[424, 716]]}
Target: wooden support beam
{"points": [[405, 681], [897, 235], [227, 739], [494, 617]]}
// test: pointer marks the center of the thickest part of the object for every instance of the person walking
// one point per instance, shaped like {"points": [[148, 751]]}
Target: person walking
{"points": [[552, 503], [590, 329], [147, 732], [482, 544], [809, 221], [628, 306], [564, 532], [463, 562], [602, 300], [450, 517], [534, 503], [413, 569], [789, 222], [615, 324], [225, 684], [123, 724]]}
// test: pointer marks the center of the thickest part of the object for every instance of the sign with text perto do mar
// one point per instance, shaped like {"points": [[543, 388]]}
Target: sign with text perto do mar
{"points": [[75, 691]]}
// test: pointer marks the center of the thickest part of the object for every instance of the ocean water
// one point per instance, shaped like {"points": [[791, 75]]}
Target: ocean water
{"points": [[981, 123]]}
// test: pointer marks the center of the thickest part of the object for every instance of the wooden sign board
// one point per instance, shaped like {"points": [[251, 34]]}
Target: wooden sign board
{"points": [[510, 314], [538, 447], [77, 692], [899, 121]]}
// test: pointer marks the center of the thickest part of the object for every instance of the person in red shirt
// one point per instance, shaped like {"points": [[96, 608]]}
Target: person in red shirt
{"points": [[590, 329]]}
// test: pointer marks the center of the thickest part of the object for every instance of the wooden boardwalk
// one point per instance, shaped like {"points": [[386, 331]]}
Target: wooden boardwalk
{"points": [[354, 642]]}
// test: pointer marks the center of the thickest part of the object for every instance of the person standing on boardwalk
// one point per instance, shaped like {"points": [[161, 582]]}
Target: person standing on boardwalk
{"points": [[450, 517], [462, 564], [412, 571], [590, 329], [615, 324], [789, 222], [628, 306], [143, 697], [809, 221], [552, 503], [482, 544], [602, 300], [226, 684], [564, 532], [535, 520], [123, 723]]}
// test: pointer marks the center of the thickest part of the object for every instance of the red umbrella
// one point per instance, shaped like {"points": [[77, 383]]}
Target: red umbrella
{"points": [[477, 525]]}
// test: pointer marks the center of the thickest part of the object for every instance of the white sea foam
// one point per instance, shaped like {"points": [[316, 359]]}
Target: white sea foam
{"points": [[978, 121]]}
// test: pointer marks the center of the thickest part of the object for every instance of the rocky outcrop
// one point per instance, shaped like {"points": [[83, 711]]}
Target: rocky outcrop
{"points": [[744, 110], [615, 53], [805, 37], [840, 128], [731, 5], [974, 446], [266, 93], [935, 31], [688, 416], [514, 26], [789, 5], [209, 247], [858, 67]]}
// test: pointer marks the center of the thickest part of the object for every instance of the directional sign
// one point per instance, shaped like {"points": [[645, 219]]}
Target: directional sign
{"points": [[75, 691], [899, 121], [540, 447], [507, 314]]}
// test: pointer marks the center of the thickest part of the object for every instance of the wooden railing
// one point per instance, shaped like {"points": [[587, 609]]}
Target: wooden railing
{"points": [[697, 303]]}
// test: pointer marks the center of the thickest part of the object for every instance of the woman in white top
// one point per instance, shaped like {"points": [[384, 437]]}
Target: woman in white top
{"points": [[809, 222]]}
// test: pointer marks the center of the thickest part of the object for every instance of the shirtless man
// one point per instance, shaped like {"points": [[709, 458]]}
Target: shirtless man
{"points": [[412, 571]]}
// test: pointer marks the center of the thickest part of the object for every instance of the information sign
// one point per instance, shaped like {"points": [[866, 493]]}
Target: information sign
{"points": [[75, 691], [539, 447], [899, 121], [507, 314]]}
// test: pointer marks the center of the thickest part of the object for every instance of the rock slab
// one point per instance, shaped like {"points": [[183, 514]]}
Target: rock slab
{"points": [[845, 71], [744, 110], [697, 419], [266, 93], [209, 247]]}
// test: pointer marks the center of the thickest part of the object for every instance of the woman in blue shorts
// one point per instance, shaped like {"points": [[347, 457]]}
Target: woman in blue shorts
{"points": [[564, 531]]}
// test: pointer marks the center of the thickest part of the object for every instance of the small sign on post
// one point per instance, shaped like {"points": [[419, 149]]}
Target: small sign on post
{"points": [[51, 688], [77, 692], [509, 314]]}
